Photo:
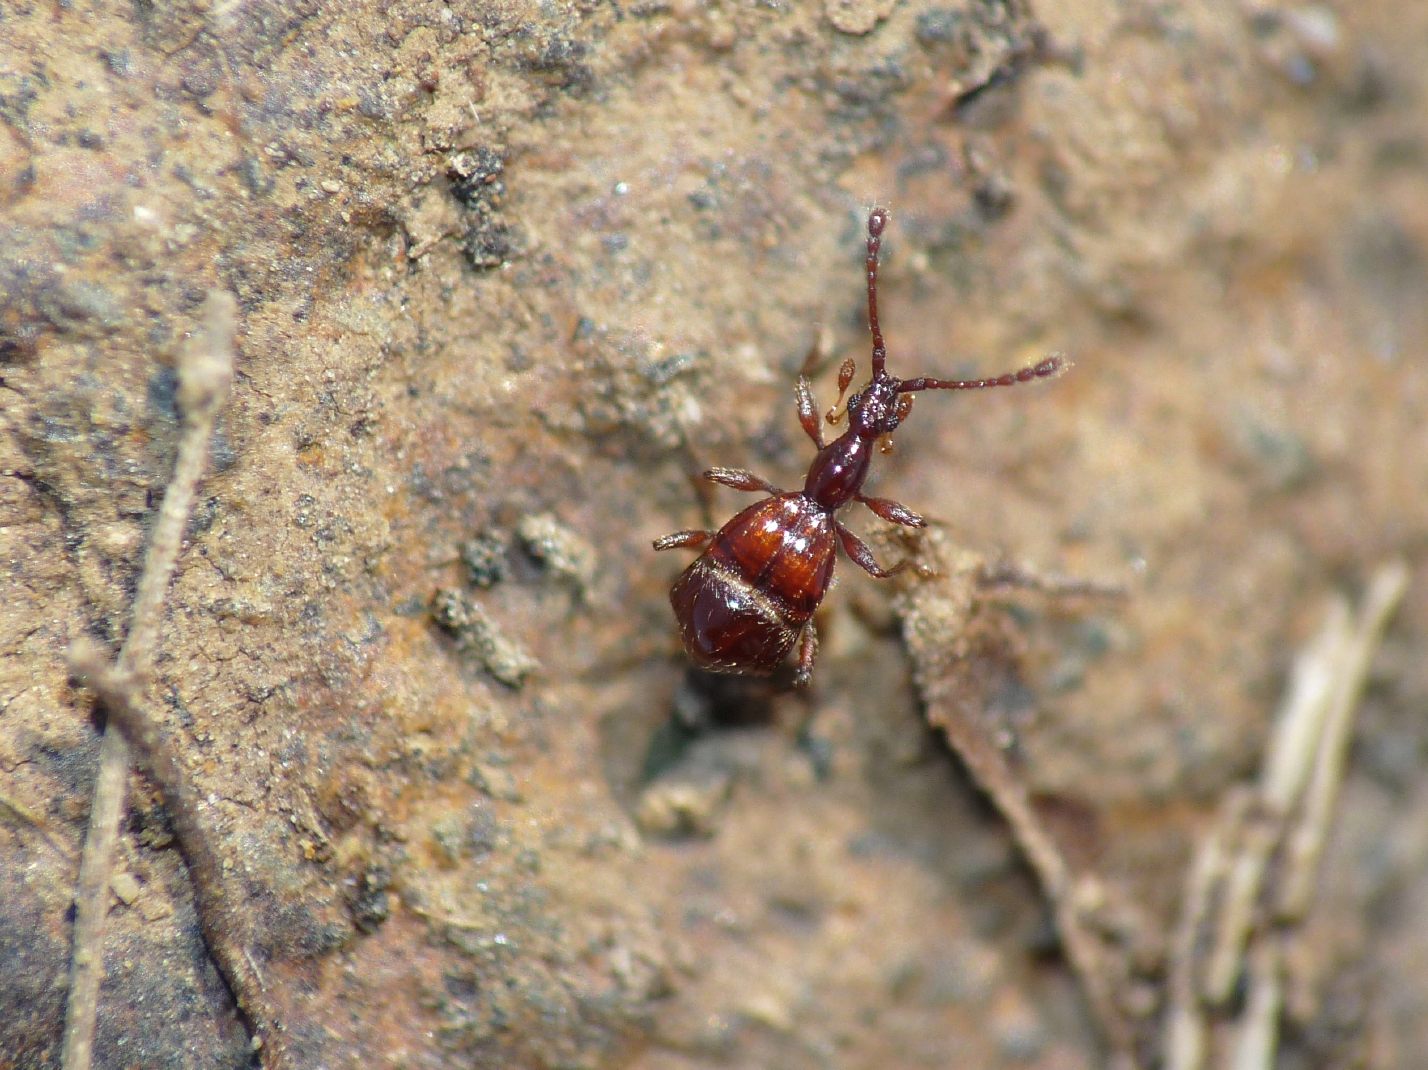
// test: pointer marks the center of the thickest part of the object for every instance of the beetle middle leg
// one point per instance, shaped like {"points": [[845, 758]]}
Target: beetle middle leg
{"points": [[858, 550], [740, 479], [893, 512], [692, 537]]}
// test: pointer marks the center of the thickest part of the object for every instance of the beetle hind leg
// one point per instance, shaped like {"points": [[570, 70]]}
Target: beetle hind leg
{"points": [[807, 653]]}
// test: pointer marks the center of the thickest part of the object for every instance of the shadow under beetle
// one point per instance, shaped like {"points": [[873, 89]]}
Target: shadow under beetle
{"points": [[751, 594]]}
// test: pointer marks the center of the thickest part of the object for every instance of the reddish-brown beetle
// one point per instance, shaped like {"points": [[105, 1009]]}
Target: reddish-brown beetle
{"points": [[750, 595]]}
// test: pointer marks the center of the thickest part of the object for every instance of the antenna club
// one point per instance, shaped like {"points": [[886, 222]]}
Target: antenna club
{"points": [[877, 221], [1052, 366]]}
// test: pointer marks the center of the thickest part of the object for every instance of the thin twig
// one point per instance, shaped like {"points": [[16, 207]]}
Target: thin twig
{"points": [[1009, 576], [936, 612], [205, 375], [21, 812], [91, 903], [995, 776], [205, 372], [220, 915]]}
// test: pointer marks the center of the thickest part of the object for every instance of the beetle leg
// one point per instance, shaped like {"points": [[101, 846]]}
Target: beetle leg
{"points": [[858, 550], [808, 411], [683, 538], [807, 651], [740, 479], [893, 512], [846, 372]]}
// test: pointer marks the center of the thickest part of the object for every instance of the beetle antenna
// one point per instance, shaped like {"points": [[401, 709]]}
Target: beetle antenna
{"points": [[877, 220], [1049, 368]]}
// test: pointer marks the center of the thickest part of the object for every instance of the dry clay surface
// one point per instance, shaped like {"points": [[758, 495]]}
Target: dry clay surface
{"points": [[509, 275]]}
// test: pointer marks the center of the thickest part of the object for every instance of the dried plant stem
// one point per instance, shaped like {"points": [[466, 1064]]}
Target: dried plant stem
{"points": [[1306, 844], [1068, 896], [1186, 1028], [91, 903], [220, 915], [1231, 926], [1259, 1036], [936, 611], [204, 377]]}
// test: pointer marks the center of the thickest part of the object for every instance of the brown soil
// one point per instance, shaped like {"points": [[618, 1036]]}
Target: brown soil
{"points": [[509, 275]]}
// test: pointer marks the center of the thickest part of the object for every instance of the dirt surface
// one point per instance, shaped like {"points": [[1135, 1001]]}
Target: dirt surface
{"points": [[509, 275]]}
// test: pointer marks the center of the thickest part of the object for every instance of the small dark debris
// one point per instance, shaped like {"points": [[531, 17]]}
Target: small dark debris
{"points": [[368, 901], [994, 197], [14, 350], [201, 73], [476, 176], [204, 515], [558, 549], [939, 26], [478, 637], [371, 105], [251, 174], [162, 391], [561, 63], [661, 372], [485, 559], [118, 61], [488, 243]]}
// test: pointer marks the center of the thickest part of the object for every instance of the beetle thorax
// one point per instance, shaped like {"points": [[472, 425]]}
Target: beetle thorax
{"points": [[836, 475]]}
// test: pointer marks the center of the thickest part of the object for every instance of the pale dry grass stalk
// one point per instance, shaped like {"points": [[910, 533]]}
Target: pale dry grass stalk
{"points": [[1234, 923], [205, 373]]}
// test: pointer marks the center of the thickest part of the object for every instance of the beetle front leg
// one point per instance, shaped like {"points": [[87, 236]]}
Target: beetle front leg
{"points": [[808, 411]]}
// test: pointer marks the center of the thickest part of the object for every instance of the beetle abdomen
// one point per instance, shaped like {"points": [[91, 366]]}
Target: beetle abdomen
{"points": [[726, 624], [742, 604]]}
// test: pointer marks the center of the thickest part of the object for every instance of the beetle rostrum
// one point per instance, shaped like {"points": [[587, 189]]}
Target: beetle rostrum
{"points": [[750, 596]]}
